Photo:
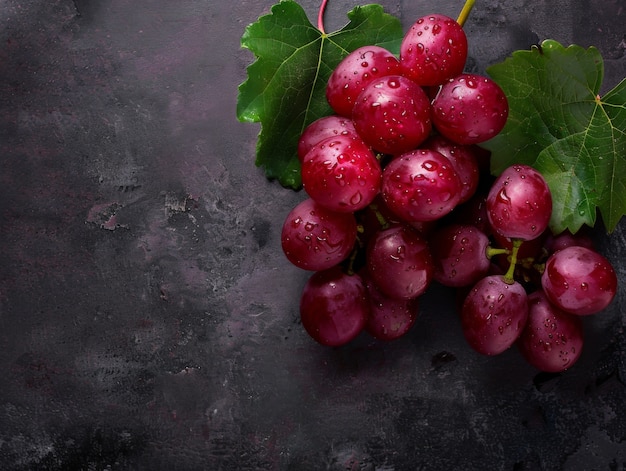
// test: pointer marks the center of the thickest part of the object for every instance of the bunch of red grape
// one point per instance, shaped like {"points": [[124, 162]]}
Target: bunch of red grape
{"points": [[400, 196]]}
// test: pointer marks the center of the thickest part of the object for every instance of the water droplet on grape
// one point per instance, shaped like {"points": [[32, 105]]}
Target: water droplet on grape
{"points": [[400, 252], [502, 197], [356, 198], [430, 165]]}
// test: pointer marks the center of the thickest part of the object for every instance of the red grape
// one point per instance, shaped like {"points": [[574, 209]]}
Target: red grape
{"points": [[389, 318], [334, 306], [552, 340], [459, 255], [565, 239], [342, 174], [470, 109], [355, 72], [433, 50], [579, 280], [519, 204], [315, 238], [421, 185], [399, 262], [321, 129], [493, 314], [472, 212], [392, 115], [463, 160]]}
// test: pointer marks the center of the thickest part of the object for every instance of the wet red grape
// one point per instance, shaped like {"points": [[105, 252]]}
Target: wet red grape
{"points": [[389, 318], [552, 340], [579, 280], [433, 50], [355, 72], [470, 109], [421, 185], [342, 174], [322, 129], [459, 255], [334, 306], [519, 203], [399, 262], [315, 238], [392, 115], [493, 314]]}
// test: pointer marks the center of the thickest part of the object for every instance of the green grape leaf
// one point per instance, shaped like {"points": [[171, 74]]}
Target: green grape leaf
{"points": [[285, 88], [560, 125]]}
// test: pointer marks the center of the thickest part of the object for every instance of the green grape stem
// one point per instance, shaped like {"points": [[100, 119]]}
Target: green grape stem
{"points": [[509, 275], [493, 251], [384, 224], [350, 267], [465, 12]]}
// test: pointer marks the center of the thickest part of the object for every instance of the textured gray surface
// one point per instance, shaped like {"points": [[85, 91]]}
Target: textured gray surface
{"points": [[148, 319]]}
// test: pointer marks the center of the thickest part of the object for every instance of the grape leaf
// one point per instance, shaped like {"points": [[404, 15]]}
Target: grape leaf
{"points": [[285, 88], [559, 125]]}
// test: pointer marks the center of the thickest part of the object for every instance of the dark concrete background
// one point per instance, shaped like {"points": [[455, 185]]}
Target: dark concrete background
{"points": [[148, 319]]}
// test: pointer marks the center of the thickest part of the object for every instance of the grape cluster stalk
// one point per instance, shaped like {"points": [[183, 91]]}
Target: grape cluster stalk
{"points": [[399, 196]]}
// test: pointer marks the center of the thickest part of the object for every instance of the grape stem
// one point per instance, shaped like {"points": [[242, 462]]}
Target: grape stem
{"points": [[384, 224], [465, 12], [493, 251], [320, 17], [509, 275]]}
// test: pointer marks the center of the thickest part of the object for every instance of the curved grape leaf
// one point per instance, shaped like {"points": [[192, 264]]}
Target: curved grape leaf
{"points": [[559, 125], [285, 89]]}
